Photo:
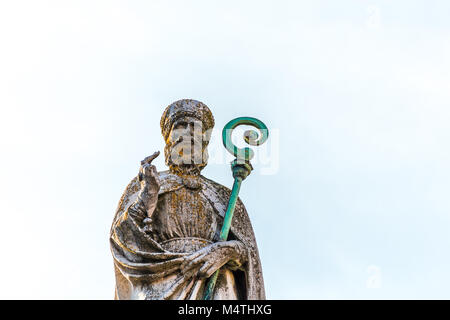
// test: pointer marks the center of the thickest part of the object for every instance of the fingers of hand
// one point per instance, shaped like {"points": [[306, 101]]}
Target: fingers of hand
{"points": [[204, 271], [187, 260], [209, 268], [154, 173], [194, 256], [149, 159], [146, 169], [192, 261], [209, 258], [150, 171]]}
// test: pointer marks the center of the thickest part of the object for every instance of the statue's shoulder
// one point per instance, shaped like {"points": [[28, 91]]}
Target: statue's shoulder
{"points": [[215, 185], [221, 192]]}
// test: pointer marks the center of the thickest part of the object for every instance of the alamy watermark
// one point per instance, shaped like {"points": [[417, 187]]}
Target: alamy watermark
{"points": [[374, 279], [189, 144]]}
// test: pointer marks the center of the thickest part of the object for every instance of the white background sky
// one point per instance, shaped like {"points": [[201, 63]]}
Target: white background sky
{"points": [[359, 92]]}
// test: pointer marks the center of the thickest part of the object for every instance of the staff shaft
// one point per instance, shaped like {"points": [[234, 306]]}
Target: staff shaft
{"points": [[224, 233]]}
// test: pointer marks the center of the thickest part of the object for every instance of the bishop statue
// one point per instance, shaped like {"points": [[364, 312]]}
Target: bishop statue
{"points": [[165, 234]]}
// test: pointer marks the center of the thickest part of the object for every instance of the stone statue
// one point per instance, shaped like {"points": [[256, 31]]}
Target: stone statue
{"points": [[165, 234]]}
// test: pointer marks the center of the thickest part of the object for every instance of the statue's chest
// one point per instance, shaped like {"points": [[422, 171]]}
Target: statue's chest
{"points": [[185, 213]]}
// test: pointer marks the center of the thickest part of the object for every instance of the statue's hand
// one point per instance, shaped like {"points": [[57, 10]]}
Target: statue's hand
{"points": [[147, 197], [214, 256], [148, 175]]}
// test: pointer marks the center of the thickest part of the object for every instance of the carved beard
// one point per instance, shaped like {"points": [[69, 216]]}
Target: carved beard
{"points": [[191, 169]]}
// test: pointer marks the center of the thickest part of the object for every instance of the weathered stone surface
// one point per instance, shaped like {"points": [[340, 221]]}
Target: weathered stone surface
{"points": [[164, 236]]}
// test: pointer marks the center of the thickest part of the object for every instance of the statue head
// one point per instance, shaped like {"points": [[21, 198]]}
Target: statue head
{"points": [[186, 126]]}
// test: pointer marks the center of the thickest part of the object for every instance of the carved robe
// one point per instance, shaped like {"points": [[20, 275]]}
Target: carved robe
{"points": [[188, 217]]}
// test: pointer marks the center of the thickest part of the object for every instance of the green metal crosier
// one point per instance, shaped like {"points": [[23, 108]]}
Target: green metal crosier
{"points": [[241, 168]]}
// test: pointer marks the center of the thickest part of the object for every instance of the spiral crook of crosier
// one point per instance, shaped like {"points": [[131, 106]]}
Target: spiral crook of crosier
{"points": [[252, 137]]}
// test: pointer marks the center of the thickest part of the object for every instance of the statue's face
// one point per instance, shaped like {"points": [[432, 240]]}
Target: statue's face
{"points": [[186, 145]]}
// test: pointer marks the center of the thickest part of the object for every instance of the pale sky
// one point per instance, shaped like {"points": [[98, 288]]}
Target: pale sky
{"points": [[355, 203]]}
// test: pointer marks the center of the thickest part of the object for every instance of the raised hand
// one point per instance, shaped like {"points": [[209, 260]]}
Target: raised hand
{"points": [[148, 175], [150, 185]]}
